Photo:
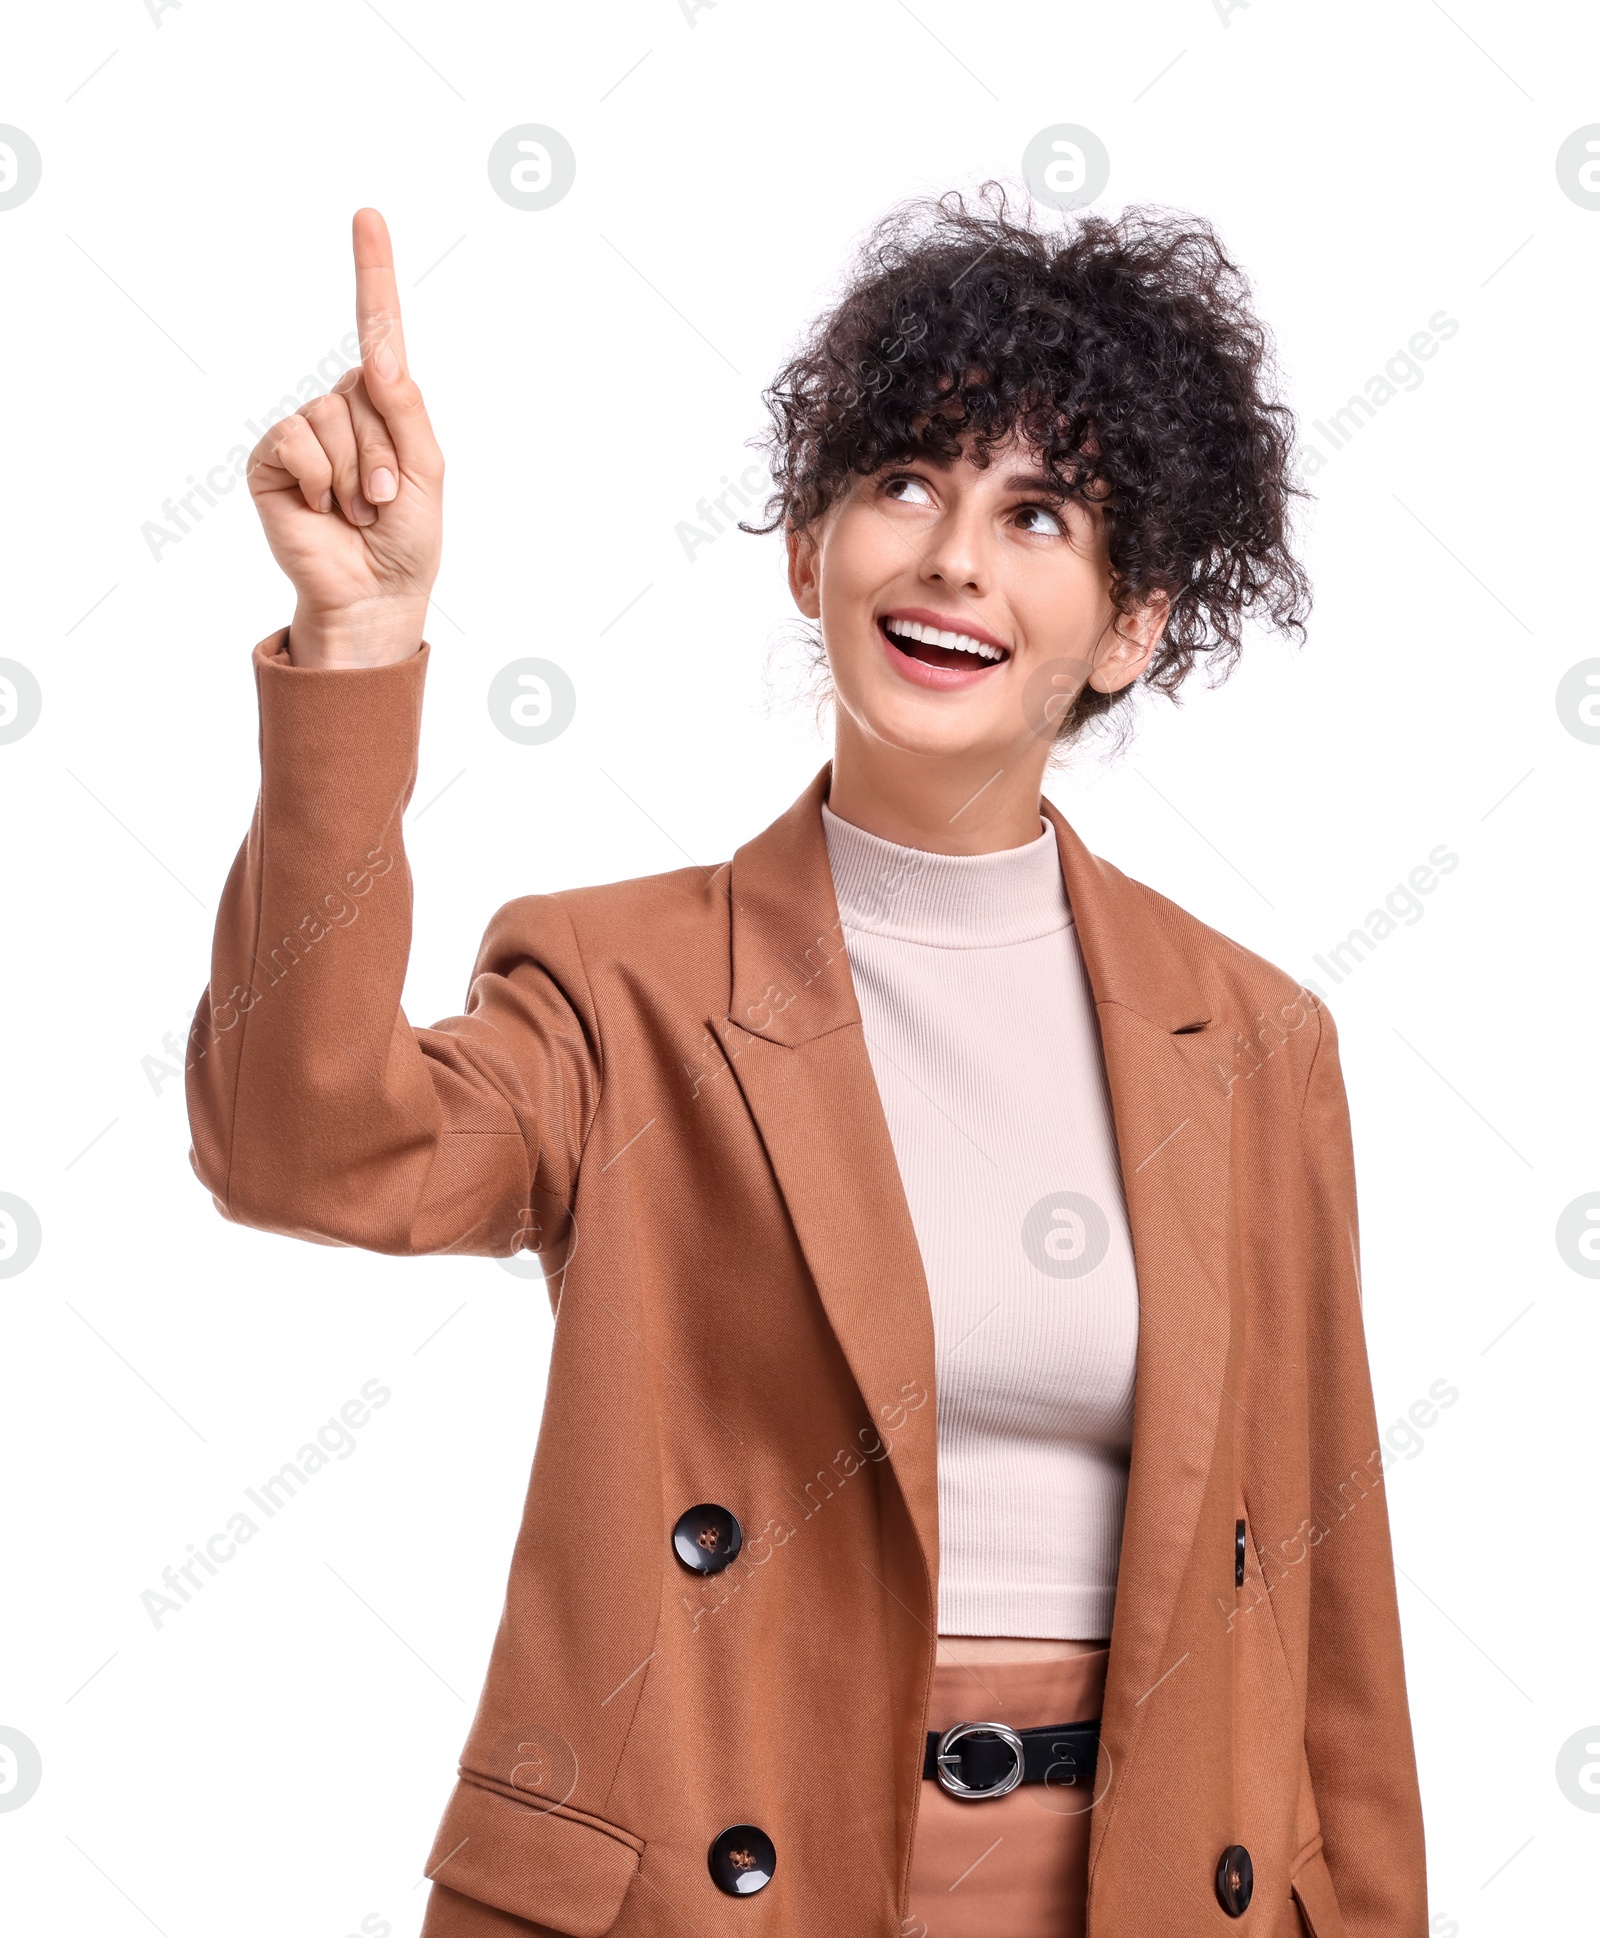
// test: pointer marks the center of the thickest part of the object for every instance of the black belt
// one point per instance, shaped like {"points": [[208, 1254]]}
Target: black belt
{"points": [[982, 1760]]}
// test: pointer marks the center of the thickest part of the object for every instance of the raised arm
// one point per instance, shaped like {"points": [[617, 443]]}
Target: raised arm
{"points": [[316, 1108]]}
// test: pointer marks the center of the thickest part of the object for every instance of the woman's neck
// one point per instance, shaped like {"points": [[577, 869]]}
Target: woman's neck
{"points": [[958, 804]]}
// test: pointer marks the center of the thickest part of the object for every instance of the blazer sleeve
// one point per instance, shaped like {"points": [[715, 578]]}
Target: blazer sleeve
{"points": [[1358, 1726], [316, 1109]]}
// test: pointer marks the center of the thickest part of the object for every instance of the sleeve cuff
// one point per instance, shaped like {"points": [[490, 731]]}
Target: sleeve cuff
{"points": [[338, 743], [274, 651]]}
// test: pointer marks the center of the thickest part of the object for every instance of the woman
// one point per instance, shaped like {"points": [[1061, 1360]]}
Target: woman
{"points": [[957, 1501]]}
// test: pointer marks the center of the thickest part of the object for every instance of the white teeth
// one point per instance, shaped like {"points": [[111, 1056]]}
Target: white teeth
{"points": [[936, 636]]}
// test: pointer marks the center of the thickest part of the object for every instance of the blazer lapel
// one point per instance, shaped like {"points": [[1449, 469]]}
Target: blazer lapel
{"points": [[792, 1034], [793, 1037], [1172, 1113]]}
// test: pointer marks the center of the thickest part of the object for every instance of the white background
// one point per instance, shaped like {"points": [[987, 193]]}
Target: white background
{"points": [[274, 1756]]}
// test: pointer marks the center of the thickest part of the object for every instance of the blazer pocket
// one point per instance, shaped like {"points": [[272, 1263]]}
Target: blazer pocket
{"points": [[1312, 1886], [553, 1866]]}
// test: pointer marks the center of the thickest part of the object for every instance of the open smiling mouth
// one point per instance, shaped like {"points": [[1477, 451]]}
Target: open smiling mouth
{"points": [[940, 646]]}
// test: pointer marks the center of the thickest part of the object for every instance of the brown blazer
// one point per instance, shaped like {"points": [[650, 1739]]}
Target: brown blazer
{"points": [[662, 1085]]}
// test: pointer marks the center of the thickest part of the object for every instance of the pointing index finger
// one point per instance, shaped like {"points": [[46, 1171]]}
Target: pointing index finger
{"points": [[377, 298]]}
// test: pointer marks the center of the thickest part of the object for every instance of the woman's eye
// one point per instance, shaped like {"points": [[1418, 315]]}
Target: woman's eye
{"points": [[903, 489], [1052, 526]]}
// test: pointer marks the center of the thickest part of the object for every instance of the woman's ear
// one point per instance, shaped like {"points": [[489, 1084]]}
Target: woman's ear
{"points": [[804, 573], [1130, 645]]}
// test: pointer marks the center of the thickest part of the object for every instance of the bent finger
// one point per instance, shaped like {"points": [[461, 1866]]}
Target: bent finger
{"points": [[329, 418], [380, 468], [293, 447]]}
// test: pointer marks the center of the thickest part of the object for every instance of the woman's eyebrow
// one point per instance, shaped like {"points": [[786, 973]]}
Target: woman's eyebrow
{"points": [[1037, 481]]}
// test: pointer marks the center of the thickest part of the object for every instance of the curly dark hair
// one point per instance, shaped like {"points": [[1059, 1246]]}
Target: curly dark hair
{"points": [[1123, 352]]}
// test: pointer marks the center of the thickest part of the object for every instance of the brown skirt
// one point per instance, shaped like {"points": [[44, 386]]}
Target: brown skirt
{"points": [[1016, 1866]]}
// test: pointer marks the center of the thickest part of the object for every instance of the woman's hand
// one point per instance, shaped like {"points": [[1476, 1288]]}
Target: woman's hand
{"points": [[349, 489]]}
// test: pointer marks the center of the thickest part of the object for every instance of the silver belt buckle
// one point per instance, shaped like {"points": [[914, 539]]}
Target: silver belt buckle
{"points": [[945, 1762]]}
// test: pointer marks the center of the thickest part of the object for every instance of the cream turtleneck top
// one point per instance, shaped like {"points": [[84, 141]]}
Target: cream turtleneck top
{"points": [[982, 1035]]}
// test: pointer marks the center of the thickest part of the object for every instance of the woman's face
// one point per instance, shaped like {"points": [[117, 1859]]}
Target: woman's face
{"points": [[921, 548]]}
